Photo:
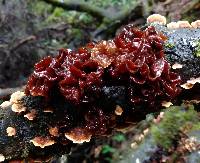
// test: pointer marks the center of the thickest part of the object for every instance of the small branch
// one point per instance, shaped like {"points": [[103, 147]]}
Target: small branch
{"points": [[58, 27], [109, 21], [123, 17], [23, 41], [80, 6], [191, 6], [93, 10]]}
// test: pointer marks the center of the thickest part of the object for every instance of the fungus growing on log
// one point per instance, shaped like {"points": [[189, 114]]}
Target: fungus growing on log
{"points": [[11, 131], [103, 86], [157, 18], [196, 24], [134, 58], [42, 142]]}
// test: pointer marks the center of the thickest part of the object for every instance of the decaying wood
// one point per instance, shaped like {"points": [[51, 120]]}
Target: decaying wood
{"points": [[30, 125]]}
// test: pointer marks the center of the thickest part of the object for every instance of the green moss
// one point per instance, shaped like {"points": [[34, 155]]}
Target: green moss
{"points": [[39, 8], [175, 120], [119, 138], [197, 50], [169, 45], [196, 126], [107, 149]]}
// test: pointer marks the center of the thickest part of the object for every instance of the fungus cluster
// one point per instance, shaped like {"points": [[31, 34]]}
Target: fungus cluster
{"points": [[134, 59], [91, 91], [159, 19]]}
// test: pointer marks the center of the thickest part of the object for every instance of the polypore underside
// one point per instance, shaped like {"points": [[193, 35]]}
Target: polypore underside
{"points": [[38, 126]]}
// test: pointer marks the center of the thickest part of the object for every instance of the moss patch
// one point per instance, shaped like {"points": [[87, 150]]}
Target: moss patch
{"points": [[197, 49], [176, 120], [169, 45]]}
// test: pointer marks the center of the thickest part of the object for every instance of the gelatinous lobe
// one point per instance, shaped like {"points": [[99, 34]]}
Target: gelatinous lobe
{"points": [[134, 58]]}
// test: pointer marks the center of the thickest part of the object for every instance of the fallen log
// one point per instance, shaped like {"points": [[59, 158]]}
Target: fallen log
{"points": [[71, 101]]}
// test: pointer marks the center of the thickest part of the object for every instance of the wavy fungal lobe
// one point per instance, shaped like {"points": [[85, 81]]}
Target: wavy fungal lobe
{"points": [[128, 71], [134, 58]]}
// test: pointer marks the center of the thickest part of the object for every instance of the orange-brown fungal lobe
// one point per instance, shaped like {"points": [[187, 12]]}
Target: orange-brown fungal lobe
{"points": [[11, 131], [42, 141], [31, 115], [15, 100], [5, 104], [118, 110], [54, 131], [196, 24], [187, 85], [190, 83], [184, 24], [78, 135], [156, 18], [173, 25], [16, 97], [18, 108]]}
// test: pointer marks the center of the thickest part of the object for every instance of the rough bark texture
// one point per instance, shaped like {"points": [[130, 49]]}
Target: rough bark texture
{"points": [[181, 48]]}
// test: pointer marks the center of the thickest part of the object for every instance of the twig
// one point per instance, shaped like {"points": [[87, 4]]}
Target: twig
{"points": [[57, 27], [93, 10], [23, 41], [80, 6], [191, 6]]}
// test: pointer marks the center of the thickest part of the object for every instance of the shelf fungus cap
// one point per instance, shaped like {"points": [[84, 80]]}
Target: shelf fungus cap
{"points": [[190, 83], [54, 131], [157, 18], [78, 135], [5, 104], [184, 24], [16, 97], [31, 116], [18, 108], [118, 110], [2, 158], [42, 141], [177, 66], [11, 131], [48, 110], [196, 24], [166, 104], [173, 25]]}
